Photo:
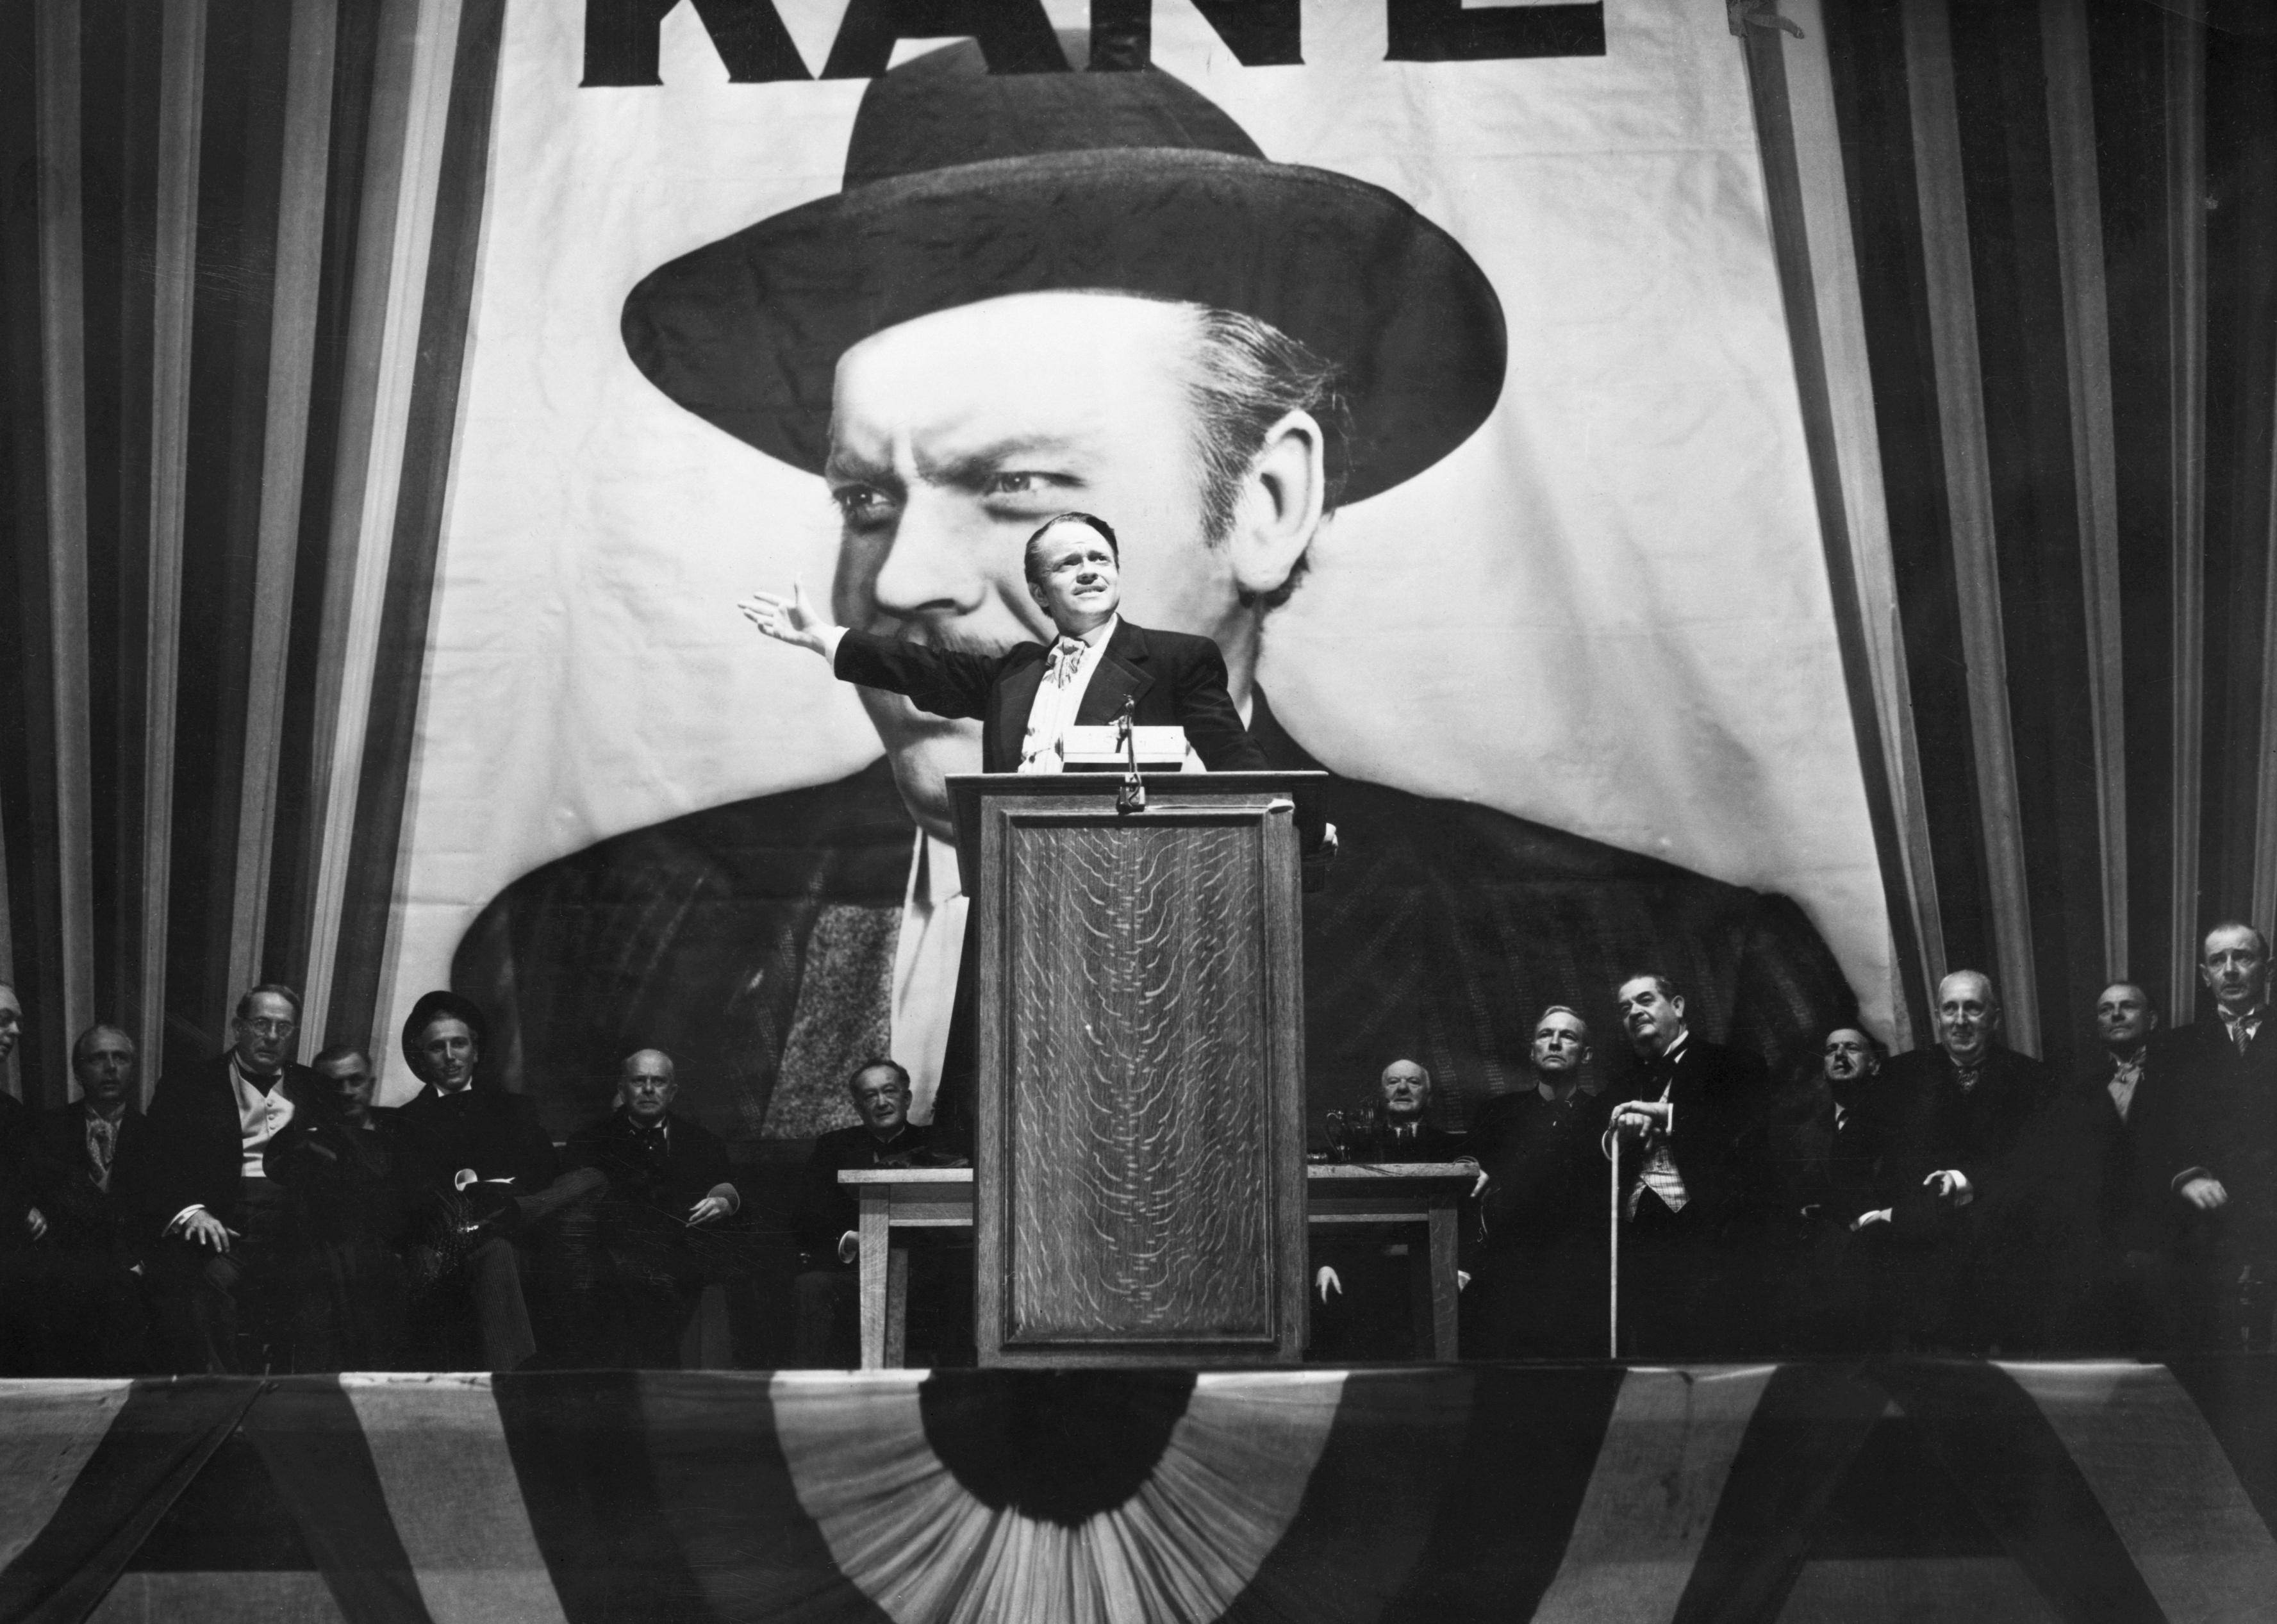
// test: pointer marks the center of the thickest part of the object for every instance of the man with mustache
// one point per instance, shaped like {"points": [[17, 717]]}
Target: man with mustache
{"points": [[215, 1226], [1098, 294]]}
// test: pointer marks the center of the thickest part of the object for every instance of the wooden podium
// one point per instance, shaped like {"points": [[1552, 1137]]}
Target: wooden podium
{"points": [[1139, 1155]]}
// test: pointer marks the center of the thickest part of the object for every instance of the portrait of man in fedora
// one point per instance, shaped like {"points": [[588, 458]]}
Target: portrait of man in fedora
{"points": [[1036, 293]]}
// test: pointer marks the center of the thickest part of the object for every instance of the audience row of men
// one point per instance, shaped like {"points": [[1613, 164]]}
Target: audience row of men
{"points": [[1958, 1198], [266, 1215]]}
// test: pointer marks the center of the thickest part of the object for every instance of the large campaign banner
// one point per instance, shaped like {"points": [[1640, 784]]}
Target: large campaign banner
{"points": [[1429, 357]]}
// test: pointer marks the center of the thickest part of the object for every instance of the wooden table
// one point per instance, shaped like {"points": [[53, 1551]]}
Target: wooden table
{"points": [[1388, 1195]]}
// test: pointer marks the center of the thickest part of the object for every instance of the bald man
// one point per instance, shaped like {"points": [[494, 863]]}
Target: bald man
{"points": [[1946, 1205], [669, 1182]]}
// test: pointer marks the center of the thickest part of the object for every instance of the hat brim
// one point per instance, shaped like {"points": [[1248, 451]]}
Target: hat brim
{"points": [[746, 333], [440, 1005]]}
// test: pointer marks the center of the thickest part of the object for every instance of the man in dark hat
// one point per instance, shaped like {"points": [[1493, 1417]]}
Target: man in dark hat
{"points": [[1091, 291], [494, 1169]]}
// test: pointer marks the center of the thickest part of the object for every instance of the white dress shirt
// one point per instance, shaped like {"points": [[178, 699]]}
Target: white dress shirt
{"points": [[1059, 698], [260, 1117]]}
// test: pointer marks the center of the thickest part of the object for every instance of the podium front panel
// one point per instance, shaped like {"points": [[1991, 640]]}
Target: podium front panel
{"points": [[1140, 1162]]}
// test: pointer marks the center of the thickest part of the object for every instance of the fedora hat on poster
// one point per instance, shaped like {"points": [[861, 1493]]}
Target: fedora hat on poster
{"points": [[961, 186]]}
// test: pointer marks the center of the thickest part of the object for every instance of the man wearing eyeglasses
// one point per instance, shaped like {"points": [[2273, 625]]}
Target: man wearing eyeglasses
{"points": [[214, 1223]]}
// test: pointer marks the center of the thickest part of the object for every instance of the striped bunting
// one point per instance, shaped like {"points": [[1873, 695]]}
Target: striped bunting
{"points": [[1855, 1493]]}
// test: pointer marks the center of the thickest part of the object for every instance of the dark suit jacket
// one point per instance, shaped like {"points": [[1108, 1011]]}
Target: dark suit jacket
{"points": [[825, 1210], [59, 1179], [192, 1148], [1545, 1165], [18, 1122], [1926, 1123], [1720, 1096], [484, 1127], [1172, 679], [756, 942], [694, 1162], [356, 1185], [2220, 1114]]}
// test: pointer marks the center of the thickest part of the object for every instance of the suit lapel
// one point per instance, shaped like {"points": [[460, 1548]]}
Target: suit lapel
{"points": [[1121, 674], [1015, 697]]}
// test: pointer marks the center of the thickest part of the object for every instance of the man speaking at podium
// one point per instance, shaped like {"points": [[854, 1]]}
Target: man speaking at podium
{"points": [[1028, 698], [1035, 293]]}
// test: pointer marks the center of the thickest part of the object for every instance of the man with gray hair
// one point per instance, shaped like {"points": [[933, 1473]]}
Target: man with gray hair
{"points": [[1947, 1200], [1541, 1285]]}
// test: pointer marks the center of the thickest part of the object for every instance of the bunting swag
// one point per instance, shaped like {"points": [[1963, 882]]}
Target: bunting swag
{"points": [[2097, 1491]]}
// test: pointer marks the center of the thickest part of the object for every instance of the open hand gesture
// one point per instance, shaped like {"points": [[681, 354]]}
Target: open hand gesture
{"points": [[791, 620]]}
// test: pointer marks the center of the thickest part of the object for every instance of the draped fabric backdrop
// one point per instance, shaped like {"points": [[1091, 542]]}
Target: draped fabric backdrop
{"points": [[1877, 509]]}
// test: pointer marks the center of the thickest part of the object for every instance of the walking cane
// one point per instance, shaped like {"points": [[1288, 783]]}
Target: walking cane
{"points": [[1613, 1264]]}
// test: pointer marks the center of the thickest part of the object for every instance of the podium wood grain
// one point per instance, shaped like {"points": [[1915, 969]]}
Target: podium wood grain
{"points": [[1140, 1153]]}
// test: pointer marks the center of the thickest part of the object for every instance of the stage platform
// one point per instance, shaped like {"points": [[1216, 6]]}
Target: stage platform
{"points": [[1903, 1490]]}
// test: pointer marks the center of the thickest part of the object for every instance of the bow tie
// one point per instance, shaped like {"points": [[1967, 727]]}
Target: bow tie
{"points": [[1067, 655]]}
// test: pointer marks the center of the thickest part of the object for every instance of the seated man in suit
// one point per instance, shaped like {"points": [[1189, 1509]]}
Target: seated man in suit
{"points": [[1951, 1180], [73, 1306], [215, 1229], [1365, 1290], [668, 1181], [2081, 1163], [494, 1170], [2206, 1190], [826, 1214], [1540, 1285], [1692, 1159], [364, 1199]]}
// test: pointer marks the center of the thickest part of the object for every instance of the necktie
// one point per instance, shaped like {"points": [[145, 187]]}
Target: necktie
{"points": [[2240, 1035], [101, 1144], [1067, 658]]}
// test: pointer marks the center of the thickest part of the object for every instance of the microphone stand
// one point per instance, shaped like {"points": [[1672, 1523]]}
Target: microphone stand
{"points": [[1131, 797]]}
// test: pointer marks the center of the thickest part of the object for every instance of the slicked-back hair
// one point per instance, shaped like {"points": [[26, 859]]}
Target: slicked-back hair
{"points": [[1072, 517], [1404, 1061], [79, 1043], [1246, 376], [332, 1054], [2260, 938], [1875, 1046], [1991, 992], [1666, 987], [275, 989], [880, 1064]]}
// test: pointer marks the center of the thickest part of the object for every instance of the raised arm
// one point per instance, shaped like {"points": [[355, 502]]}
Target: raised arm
{"points": [[946, 684]]}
